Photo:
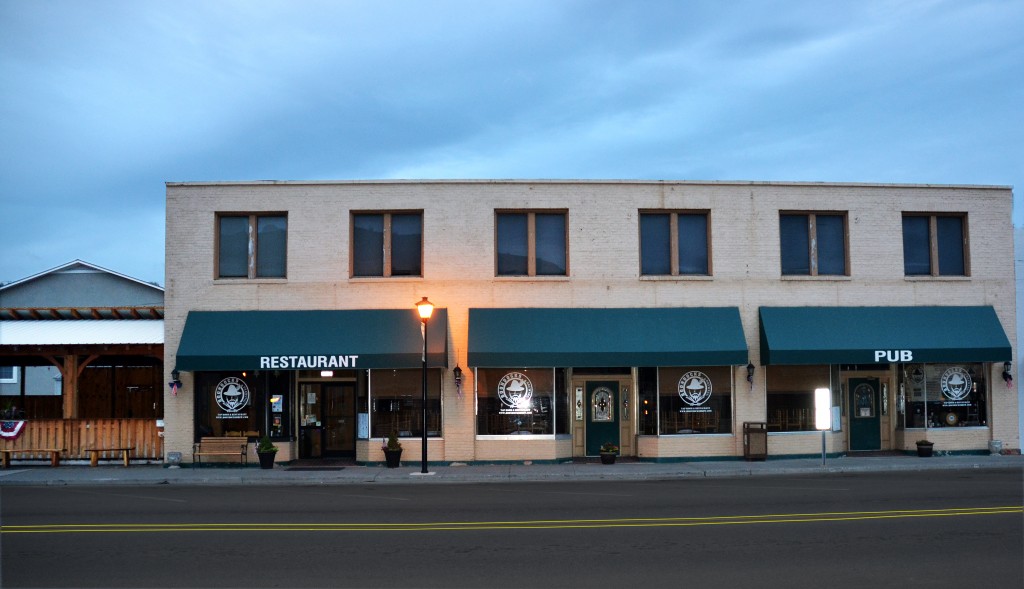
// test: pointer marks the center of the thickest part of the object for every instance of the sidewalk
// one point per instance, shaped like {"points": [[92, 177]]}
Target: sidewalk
{"points": [[150, 474]]}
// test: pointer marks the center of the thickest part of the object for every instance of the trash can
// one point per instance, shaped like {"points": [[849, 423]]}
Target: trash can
{"points": [[755, 440]]}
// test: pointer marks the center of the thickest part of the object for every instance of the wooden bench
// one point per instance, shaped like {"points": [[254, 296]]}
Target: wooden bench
{"points": [[226, 446], [54, 454], [94, 454]]}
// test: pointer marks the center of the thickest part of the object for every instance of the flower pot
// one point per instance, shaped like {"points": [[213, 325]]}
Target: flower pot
{"points": [[608, 457], [393, 457], [266, 459], [924, 450]]}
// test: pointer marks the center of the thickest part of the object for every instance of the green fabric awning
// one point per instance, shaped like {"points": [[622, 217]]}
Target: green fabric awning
{"points": [[879, 335], [540, 338], [310, 340]]}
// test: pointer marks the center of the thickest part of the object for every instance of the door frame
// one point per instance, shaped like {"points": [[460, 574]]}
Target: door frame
{"points": [[350, 386], [883, 408], [625, 409]]}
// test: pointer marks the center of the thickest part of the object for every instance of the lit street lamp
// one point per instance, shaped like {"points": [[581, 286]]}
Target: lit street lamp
{"points": [[426, 308]]}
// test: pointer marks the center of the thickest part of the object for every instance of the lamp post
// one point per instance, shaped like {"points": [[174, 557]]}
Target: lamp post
{"points": [[822, 416], [425, 308]]}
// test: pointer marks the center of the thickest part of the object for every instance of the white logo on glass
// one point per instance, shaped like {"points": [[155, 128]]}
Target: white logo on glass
{"points": [[515, 391], [695, 388], [955, 383], [232, 394]]}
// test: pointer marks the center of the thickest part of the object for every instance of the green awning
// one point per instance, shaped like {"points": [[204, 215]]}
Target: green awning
{"points": [[310, 340], [879, 335], [538, 338]]}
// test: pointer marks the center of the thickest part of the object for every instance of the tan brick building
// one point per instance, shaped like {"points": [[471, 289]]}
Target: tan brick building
{"points": [[657, 316]]}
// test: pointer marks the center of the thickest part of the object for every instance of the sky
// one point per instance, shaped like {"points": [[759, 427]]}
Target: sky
{"points": [[102, 102]]}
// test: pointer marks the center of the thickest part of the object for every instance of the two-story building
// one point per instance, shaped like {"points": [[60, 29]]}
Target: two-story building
{"points": [[657, 316]]}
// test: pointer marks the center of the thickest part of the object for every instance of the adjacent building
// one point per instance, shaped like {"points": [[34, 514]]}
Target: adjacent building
{"points": [[659, 317]]}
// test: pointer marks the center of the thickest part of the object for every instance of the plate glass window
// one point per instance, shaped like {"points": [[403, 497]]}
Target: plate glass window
{"points": [[530, 244], [252, 246], [674, 244], [387, 244], [813, 244]]}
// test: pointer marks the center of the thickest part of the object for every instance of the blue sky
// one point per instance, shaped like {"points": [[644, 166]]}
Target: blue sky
{"points": [[102, 102]]}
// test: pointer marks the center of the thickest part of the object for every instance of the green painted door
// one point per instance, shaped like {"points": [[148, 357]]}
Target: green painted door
{"points": [[602, 414], [865, 423]]}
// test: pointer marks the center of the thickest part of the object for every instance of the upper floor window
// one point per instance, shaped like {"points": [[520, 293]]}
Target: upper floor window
{"points": [[935, 245], [252, 246], [813, 244], [674, 244], [387, 244], [531, 243]]}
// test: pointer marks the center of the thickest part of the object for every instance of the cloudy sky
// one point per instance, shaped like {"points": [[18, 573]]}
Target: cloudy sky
{"points": [[102, 102]]}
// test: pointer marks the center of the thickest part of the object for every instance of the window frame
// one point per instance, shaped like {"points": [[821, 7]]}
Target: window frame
{"points": [[812, 241], [531, 241], [933, 243], [388, 251], [13, 379], [674, 253], [252, 261]]}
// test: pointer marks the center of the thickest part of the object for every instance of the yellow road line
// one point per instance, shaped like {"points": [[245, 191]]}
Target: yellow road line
{"points": [[511, 525]]}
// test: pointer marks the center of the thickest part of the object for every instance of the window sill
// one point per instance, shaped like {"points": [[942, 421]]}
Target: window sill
{"points": [[937, 278], [236, 281], [677, 278], [531, 279], [385, 278], [826, 278]]}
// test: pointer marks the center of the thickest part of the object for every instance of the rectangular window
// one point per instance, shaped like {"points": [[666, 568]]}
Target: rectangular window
{"points": [[531, 244], [813, 244], [695, 400], [387, 244], [935, 245], [942, 395], [674, 244], [8, 374], [398, 403], [790, 396], [521, 401], [252, 246]]}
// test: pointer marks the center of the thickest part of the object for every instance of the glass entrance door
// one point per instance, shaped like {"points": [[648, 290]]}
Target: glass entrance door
{"points": [[327, 419]]}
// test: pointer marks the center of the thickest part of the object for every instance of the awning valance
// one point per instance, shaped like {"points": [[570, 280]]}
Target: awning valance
{"points": [[310, 340], [560, 337], [878, 335]]}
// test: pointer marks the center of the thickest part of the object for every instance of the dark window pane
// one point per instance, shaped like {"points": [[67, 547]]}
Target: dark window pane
{"points": [[795, 245], [916, 249], [550, 247], [512, 248], [831, 234], [693, 244], [271, 244], [950, 233], [233, 258], [406, 245], [655, 245], [368, 245]]}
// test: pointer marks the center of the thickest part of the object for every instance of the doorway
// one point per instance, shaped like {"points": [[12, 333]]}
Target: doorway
{"points": [[327, 420], [602, 419], [865, 421]]}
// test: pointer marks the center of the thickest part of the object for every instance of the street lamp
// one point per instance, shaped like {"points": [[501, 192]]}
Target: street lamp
{"points": [[426, 309]]}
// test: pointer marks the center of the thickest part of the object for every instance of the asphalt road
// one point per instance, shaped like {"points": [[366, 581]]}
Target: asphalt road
{"points": [[922, 529]]}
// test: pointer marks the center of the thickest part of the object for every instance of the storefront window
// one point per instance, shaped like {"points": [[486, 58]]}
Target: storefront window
{"points": [[647, 397], [695, 400], [790, 392], [942, 395], [521, 401], [397, 400]]}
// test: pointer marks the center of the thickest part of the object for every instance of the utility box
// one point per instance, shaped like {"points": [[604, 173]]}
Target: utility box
{"points": [[755, 440]]}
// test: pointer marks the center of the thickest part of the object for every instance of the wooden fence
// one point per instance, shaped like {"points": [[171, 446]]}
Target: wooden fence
{"points": [[75, 436]]}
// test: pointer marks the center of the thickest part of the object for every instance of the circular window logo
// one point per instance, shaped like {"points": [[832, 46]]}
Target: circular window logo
{"points": [[695, 388], [515, 391], [955, 383], [232, 394]]}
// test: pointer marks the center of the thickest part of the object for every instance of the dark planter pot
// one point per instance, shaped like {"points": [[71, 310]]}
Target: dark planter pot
{"points": [[266, 459], [393, 458], [924, 450], [607, 458]]}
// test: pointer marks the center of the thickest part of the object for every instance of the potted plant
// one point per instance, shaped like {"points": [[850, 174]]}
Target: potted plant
{"points": [[608, 453], [392, 450], [924, 448], [266, 450]]}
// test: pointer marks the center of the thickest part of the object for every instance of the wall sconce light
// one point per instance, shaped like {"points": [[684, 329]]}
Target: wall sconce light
{"points": [[1007, 374], [750, 375], [175, 383], [457, 372]]}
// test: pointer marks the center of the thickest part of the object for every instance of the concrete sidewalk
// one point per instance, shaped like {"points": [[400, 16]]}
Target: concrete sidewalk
{"points": [[150, 474]]}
